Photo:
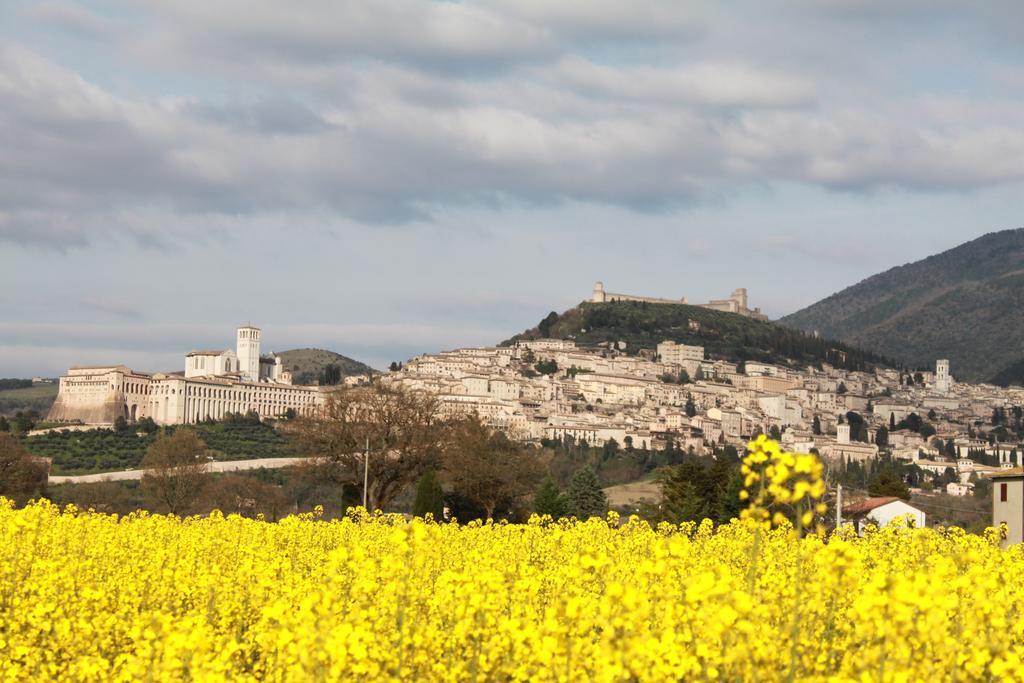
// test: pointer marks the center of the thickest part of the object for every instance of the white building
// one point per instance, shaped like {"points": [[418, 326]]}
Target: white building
{"points": [[881, 512], [214, 384], [672, 353], [1008, 504]]}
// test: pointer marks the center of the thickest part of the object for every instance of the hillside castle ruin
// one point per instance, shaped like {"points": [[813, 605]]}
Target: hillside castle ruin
{"points": [[736, 303]]}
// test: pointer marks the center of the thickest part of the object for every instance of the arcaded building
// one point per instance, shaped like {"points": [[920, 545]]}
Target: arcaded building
{"points": [[213, 384]]}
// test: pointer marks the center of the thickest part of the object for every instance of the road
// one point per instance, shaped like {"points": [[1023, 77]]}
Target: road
{"points": [[218, 466]]}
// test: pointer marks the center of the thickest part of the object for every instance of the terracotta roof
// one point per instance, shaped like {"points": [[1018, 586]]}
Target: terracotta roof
{"points": [[1015, 472], [868, 504], [210, 352]]}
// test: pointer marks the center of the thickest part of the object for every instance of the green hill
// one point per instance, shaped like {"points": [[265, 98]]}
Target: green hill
{"points": [[308, 364], [37, 397], [723, 335], [963, 304]]}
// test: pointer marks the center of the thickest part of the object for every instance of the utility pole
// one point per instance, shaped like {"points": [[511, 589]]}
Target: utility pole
{"points": [[366, 472], [839, 505]]}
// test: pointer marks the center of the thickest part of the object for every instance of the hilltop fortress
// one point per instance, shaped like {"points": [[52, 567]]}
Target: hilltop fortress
{"points": [[736, 303], [213, 384]]}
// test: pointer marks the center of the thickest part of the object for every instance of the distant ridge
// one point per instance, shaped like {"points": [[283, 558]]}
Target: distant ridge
{"points": [[306, 365], [965, 304], [730, 336]]}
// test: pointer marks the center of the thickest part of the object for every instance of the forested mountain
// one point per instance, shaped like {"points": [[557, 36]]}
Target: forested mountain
{"points": [[964, 304], [723, 335]]}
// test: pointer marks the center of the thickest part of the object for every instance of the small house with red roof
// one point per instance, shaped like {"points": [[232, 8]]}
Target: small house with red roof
{"points": [[881, 511]]}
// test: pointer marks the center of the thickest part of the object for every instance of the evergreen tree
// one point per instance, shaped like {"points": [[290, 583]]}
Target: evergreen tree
{"points": [[882, 437], [729, 504], [892, 421], [585, 499], [429, 497], [775, 433], [886, 482], [549, 500], [680, 501], [691, 407], [816, 425]]}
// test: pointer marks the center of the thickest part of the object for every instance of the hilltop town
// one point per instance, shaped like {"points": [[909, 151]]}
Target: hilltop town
{"points": [[676, 397]]}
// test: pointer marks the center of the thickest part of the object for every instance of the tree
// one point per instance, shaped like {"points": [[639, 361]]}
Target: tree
{"points": [[331, 376], [546, 367], [22, 476], [548, 499], [691, 407], [882, 437], [429, 497], [892, 421], [486, 468], [244, 495], [680, 501], [684, 376], [401, 427], [394, 366], [120, 424], [774, 432], [544, 326], [816, 425], [4, 424], [585, 499], [886, 482], [932, 415], [174, 469], [841, 389]]}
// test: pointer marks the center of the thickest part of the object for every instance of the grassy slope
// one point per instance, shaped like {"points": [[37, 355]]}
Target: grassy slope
{"points": [[723, 335], [38, 397], [307, 364]]}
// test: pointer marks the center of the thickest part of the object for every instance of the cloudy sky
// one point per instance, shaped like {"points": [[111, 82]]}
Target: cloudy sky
{"points": [[390, 177]]}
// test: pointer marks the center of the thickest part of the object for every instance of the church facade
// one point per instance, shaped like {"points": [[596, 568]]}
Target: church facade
{"points": [[213, 384]]}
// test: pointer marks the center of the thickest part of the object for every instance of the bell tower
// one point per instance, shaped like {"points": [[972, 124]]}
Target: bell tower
{"points": [[248, 352]]}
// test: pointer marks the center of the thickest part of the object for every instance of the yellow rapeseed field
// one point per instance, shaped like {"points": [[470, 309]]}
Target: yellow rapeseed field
{"points": [[85, 596]]}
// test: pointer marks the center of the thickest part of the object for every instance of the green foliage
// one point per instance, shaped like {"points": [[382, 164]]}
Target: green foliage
{"points": [[11, 383], [691, 407], [886, 482], [106, 450], [35, 398], [429, 497], [702, 487], [544, 327], [330, 376], [549, 500], [585, 499], [723, 335], [546, 367]]}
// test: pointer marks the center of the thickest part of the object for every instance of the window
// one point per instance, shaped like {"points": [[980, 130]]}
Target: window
{"points": [[1002, 493]]}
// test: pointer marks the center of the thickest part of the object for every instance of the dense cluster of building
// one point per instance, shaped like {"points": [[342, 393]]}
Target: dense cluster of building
{"points": [[550, 389]]}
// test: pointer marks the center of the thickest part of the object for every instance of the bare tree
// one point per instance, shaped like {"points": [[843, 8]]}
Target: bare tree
{"points": [[175, 469], [401, 427], [22, 475], [244, 495], [487, 468]]}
